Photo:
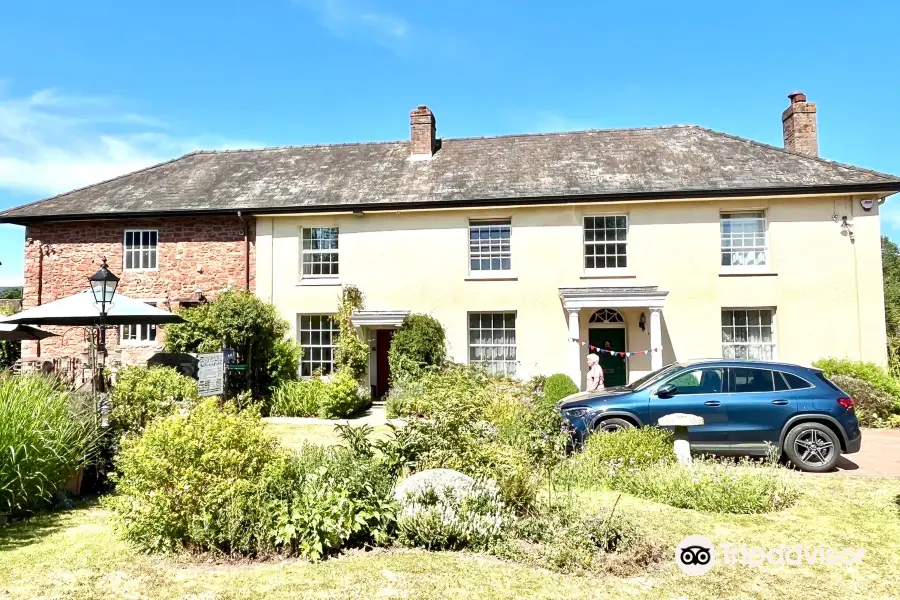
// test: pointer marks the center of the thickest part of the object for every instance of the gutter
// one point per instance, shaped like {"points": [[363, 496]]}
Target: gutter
{"points": [[887, 188]]}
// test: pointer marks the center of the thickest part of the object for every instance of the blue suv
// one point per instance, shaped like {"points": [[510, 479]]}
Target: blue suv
{"points": [[747, 406]]}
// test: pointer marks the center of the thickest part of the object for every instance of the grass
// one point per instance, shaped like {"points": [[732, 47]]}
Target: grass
{"points": [[76, 554], [294, 435]]}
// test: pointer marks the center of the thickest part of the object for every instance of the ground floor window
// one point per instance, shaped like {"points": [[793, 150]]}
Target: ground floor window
{"points": [[318, 335], [748, 333], [139, 333], [492, 341]]}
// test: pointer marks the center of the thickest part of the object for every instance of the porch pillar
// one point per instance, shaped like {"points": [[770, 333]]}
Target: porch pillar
{"points": [[656, 350], [574, 347]]}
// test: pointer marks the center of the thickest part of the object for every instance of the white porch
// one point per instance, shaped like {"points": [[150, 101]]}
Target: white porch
{"points": [[636, 310]]}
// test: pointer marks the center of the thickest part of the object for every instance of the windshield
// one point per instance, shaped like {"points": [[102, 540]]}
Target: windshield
{"points": [[651, 378]]}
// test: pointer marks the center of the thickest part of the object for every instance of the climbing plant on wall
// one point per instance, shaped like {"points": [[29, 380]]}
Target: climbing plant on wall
{"points": [[351, 353]]}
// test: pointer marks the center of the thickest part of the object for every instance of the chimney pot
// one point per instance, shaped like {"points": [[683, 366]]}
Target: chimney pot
{"points": [[798, 123], [423, 129]]}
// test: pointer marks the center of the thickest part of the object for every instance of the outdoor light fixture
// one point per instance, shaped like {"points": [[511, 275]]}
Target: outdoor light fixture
{"points": [[642, 322], [103, 285]]}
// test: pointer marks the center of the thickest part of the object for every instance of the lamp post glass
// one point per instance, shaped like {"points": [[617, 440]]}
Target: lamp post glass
{"points": [[103, 286]]}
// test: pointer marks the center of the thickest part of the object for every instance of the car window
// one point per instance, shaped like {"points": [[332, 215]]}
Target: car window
{"points": [[780, 384], [649, 378], [797, 383], [698, 381], [752, 380]]}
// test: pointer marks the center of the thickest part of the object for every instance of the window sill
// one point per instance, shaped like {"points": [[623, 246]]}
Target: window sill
{"points": [[320, 281], [609, 274], [492, 277], [747, 273]]}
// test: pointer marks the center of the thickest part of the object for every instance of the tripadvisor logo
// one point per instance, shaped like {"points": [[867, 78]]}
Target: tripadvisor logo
{"points": [[695, 555]]}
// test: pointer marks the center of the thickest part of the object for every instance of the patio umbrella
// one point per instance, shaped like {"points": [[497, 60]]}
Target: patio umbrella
{"points": [[80, 310], [14, 332]]}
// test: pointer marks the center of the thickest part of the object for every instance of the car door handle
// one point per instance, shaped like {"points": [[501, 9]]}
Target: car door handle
{"points": [[780, 402], [713, 403]]}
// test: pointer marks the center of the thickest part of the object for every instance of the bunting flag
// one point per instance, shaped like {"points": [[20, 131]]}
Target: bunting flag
{"points": [[615, 352]]}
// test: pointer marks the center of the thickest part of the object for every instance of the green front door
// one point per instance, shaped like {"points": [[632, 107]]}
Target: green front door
{"points": [[613, 366]]}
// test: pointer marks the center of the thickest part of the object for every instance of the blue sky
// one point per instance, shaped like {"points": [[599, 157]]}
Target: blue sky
{"points": [[96, 88]]}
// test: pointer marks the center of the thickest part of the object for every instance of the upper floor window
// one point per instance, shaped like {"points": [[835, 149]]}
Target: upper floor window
{"points": [[743, 239], [606, 242], [138, 333], [489, 246], [492, 341], [748, 333], [319, 253], [318, 337], [141, 249]]}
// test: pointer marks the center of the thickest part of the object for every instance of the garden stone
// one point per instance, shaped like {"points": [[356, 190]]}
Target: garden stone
{"points": [[680, 422], [436, 479]]}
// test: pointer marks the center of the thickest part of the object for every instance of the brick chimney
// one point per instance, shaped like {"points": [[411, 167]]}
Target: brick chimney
{"points": [[422, 141], [799, 125]]}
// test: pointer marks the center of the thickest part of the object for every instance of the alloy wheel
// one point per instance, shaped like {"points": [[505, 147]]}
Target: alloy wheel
{"points": [[813, 447]]}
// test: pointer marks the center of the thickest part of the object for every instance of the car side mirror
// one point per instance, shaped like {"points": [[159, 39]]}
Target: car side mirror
{"points": [[666, 391]]}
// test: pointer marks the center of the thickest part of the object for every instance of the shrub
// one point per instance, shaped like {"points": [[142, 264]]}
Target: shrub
{"points": [[623, 449], [867, 371], [418, 343], [717, 487], [252, 327], [142, 394], [559, 386], [215, 480], [559, 539], [487, 426], [351, 352], [335, 397], [297, 398], [343, 396], [447, 519], [874, 407], [46, 436], [10, 350]]}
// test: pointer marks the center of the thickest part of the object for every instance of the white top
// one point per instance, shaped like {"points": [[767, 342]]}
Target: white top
{"points": [[595, 378], [680, 420]]}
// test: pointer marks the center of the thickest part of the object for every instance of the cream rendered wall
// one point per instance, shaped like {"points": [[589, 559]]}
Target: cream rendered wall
{"points": [[827, 291]]}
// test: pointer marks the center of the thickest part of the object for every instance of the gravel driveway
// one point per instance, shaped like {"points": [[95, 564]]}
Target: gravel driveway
{"points": [[878, 457]]}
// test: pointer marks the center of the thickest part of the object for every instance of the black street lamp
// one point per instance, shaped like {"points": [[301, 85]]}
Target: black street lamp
{"points": [[103, 286]]}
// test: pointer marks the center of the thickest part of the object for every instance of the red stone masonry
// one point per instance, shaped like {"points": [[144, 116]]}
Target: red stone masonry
{"points": [[195, 256]]}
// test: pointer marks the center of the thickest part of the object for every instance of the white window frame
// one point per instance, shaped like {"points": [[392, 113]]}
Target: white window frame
{"points": [[748, 343], [139, 340], [763, 268], [489, 254], [311, 251], [307, 347], [507, 366], [604, 270], [136, 252]]}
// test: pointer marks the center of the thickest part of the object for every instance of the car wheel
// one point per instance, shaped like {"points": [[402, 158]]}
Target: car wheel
{"points": [[608, 425], [812, 447]]}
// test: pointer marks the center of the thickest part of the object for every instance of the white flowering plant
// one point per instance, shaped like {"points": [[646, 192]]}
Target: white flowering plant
{"points": [[448, 518]]}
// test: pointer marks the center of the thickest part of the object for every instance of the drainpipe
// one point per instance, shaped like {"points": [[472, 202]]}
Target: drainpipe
{"points": [[245, 229], [40, 284]]}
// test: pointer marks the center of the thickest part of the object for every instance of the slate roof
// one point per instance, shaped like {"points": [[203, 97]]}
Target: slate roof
{"points": [[679, 161]]}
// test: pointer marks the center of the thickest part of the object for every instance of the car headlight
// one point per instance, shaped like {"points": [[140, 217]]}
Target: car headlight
{"points": [[578, 411]]}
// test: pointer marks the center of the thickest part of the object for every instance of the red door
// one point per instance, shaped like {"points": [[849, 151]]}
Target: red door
{"points": [[383, 339]]}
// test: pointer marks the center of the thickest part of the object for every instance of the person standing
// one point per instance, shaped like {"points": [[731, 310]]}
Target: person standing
{"points": [[595, 373]]}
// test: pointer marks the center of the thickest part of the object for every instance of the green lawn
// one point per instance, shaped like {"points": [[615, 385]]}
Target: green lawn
{"points": [[76, 554], [294, 435]]}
